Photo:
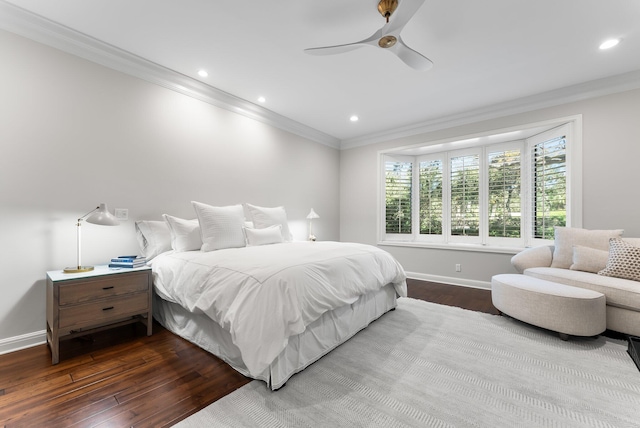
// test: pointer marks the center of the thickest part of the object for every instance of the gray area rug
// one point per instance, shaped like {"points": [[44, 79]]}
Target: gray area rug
{"points": [[428, 365]]}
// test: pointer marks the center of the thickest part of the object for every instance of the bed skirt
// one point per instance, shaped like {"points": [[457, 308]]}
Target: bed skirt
{"points": [[319, 338]]}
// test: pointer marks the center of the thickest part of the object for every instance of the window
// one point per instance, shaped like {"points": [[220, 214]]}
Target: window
{"points": [[550, 186], [505, 207], [431, 197], [398, 185], [464, 179], [511, 193]]}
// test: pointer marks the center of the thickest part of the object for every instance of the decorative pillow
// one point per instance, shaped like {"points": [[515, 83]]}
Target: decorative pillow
{"points": [[268, 235], [264, 217], [220, 227], [185, 234], [589, 259], [153, 237], [624, 260], [567, 237]]}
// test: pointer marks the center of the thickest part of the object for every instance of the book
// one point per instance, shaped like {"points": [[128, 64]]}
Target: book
{"points": [[129, 259], [126, 264]]}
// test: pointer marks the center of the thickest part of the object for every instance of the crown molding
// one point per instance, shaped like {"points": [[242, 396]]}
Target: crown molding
{"points": [[27, 24], [579, 92]]}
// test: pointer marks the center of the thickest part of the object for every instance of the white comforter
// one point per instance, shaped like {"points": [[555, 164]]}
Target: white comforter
{"points": [[263, 295]]}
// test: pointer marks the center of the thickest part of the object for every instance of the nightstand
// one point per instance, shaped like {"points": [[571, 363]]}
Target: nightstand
{"points": [[87, 302]]}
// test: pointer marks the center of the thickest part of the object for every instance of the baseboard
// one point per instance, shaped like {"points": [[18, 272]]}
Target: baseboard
{"points": [[16, 343], [450, 280]]}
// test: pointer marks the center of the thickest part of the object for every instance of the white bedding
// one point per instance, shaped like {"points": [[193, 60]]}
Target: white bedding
{"points": [[264, 295]]}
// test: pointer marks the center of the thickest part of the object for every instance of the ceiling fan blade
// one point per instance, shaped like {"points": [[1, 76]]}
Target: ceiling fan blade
{"points": [[331, 50], [337, 49], [406, 10], [413, 59]]}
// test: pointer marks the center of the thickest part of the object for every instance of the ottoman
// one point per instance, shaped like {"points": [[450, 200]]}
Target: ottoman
{"points": [[562, 308]]}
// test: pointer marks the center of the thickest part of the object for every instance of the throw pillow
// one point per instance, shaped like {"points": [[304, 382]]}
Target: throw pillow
{"points": [[264, 217], [268, 235], [185, 234], [220, 227], [589, 259], [567, 237], [624, 260]]}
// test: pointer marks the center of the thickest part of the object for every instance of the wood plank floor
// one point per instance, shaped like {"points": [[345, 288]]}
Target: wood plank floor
{"points": [[122, 378]]}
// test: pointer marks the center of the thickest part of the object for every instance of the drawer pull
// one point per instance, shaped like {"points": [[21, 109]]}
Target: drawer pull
{"points": [[107, 288], [107, 309]]}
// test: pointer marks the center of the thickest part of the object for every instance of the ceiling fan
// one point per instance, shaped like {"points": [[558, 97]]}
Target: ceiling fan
{"points": [[387, 37]]}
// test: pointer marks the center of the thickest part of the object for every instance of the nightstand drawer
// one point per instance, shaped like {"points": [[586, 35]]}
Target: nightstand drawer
{"points": [[103, 311], [103, 287]]}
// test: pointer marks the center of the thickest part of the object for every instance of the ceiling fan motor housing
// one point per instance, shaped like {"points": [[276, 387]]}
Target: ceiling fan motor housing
{"points": [[387, 7]]}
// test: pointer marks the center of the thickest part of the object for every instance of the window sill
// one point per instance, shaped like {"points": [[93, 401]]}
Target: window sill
{"points": [[479, 248]]}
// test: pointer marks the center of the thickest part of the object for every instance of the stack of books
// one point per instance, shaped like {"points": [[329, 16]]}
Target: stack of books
{"points": [[128, 262]]}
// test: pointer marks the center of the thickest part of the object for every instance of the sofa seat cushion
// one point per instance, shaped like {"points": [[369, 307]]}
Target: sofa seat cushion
{"points": [[622, 293]]}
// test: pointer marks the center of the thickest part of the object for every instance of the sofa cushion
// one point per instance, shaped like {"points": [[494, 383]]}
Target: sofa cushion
{"points": [[624, 261], [619, 292], [566, 237]]}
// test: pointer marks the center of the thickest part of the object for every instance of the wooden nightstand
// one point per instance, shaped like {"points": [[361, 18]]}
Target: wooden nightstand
{"points": [[87, 302]]}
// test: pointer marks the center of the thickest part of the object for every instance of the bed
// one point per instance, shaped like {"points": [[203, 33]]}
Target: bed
{"points": [[270, 310]]}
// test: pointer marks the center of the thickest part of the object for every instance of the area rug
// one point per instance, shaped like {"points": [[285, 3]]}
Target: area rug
{"points": [[428, 365]]}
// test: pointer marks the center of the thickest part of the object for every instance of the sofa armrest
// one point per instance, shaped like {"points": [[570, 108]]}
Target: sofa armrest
{"points": [[533, 257]]}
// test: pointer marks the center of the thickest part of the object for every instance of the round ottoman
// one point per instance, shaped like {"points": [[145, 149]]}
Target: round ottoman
{"points": [[557, 307]]}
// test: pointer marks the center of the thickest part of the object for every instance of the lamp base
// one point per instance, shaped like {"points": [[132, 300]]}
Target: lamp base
{"points": [[312, 237], [78, 269]]}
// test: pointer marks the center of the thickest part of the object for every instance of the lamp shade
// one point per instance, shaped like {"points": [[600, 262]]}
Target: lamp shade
{"points": [[103, 217], [99, 215], [312, 214]]}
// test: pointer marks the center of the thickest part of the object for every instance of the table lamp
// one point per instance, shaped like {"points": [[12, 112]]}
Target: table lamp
{"points": [[100, 215], [311, 216]]}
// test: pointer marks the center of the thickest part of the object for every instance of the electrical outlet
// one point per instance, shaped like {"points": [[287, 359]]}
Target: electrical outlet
{"points": [[458, 267], [121, 213]]}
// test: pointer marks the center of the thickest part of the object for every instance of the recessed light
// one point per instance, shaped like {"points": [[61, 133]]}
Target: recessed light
{"points": [[262, 99], [609, 43], [203, 73], [353, 118]]}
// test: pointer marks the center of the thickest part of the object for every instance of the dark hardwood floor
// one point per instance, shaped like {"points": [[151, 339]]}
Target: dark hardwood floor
{"points": [[122, 378]]}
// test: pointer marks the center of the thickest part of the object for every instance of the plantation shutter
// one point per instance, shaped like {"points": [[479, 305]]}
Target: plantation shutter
{"points": [[549, 187], [504, 208], [431, 197], [398, 191], [465, 195]]}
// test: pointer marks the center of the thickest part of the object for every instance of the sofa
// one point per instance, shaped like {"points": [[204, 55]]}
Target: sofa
{"points": [[598, 260]]}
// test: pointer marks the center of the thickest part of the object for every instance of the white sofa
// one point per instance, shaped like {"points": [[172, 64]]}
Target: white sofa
{"points": [[577, 257]]}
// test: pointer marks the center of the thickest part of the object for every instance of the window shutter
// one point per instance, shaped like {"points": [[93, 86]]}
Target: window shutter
{"points": [[431, 197], [504, 210], [465, 195], [398, 191], [549, 187]]}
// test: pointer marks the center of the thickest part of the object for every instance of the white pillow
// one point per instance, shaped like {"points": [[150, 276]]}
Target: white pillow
{"points": [[268, 235], [185, 234], [264, 217], [220, 227], [589, 259], [567, 237], [153, 237]]}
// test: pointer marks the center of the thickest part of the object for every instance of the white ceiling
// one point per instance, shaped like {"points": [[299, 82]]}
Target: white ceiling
{"points": [[486, 53]]}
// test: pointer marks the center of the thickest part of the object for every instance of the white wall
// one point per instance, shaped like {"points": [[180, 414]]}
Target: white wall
{"points": [[611, 149], [74, 134]]}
